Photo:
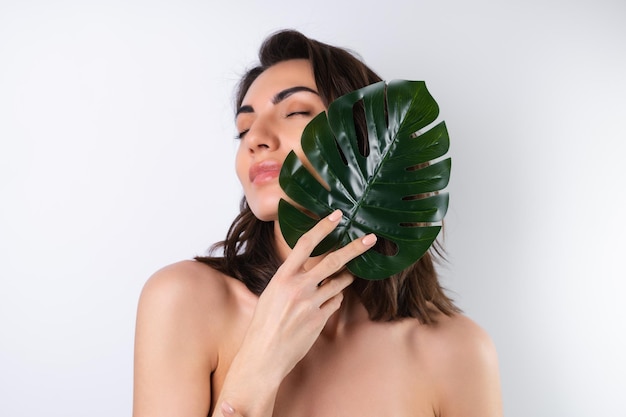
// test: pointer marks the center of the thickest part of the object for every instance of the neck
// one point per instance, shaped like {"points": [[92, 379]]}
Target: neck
{"points": [[282, 248], [351, 314]]}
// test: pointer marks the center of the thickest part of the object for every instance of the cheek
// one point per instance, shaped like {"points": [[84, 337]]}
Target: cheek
{"points": [[309, 167], [240, 167]]}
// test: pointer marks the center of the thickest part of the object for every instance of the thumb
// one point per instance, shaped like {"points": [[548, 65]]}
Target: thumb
{"points": [[229, 411]]}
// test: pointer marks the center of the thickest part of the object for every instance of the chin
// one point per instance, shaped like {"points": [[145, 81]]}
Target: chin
{"points": [[264, 203], [266, 217], [267, 212]]}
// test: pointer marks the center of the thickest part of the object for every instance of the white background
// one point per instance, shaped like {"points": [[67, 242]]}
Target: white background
{"points": [[116, 158]]}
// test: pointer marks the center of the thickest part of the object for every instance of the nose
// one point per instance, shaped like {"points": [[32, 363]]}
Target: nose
{"points": [[261, 136]]}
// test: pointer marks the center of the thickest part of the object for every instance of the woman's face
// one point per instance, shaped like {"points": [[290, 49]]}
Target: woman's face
{"points": [[273, 114]]}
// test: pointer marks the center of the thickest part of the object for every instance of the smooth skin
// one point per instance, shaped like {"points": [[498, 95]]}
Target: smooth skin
{"points": [[205, 345]]}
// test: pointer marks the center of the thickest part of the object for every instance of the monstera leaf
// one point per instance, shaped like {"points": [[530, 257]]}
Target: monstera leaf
{"points": [[390, 187]]}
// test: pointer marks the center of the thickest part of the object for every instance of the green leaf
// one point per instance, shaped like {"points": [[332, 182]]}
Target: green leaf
{"points": [[391, 191]]}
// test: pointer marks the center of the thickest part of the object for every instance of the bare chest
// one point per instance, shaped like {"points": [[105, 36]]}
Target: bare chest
{"points": [[376, 369], [368, 378]]}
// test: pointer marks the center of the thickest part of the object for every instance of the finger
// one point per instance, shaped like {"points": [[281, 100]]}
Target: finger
{"points": [[336, 260], [229, 411], [308, 241], [332, 286], [331, 305]]}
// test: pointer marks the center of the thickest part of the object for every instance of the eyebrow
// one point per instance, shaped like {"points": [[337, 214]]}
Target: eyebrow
{"points": [[280, 96]]}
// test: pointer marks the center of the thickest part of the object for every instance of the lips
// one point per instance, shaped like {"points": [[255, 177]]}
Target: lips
{"points": [[264, 171]]}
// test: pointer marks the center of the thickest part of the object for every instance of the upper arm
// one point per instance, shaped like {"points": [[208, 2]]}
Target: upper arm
{"points": [[175, 349], [468, 378]]}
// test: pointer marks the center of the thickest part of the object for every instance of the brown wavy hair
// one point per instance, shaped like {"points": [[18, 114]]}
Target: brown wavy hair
{"points": [[249, 252]]}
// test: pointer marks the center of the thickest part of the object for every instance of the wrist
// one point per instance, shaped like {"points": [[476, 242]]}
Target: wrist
{"points": [[250, 388], [256, 363], [245, 400]]}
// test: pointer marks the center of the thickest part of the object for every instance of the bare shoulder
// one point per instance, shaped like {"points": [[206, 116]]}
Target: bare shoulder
{"points": [[195, 294], [183, 320], [458, 337], [183, 283], [186, 300], [463, 364]]}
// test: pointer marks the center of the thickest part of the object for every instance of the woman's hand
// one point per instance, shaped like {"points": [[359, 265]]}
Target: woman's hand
{"points": [[288, 319], [297, 303]]}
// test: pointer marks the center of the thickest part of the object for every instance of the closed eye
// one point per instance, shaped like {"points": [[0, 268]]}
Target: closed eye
{"points": [[295, 113], [241, 134]]}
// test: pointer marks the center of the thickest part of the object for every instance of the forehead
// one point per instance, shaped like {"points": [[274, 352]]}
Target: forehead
{"points": [[286, 74]]}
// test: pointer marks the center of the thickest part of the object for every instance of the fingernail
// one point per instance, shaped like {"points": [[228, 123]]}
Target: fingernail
{"points": [[369, 240], [335, 215], [227, 408]]}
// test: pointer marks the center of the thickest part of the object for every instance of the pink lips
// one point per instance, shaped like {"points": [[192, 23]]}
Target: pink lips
{"points": [[264, 171]]}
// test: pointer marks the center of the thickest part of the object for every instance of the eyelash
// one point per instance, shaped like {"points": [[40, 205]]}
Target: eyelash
{"points": [[303, 113], [241, 134]]}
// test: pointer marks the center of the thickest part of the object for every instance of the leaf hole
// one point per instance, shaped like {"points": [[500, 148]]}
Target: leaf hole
{"points": [[418, 166], [419, 196], [385, 247], [342, 155], [360, 127], [416, 224]]}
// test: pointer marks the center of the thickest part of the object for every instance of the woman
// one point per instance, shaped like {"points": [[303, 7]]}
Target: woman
{"points": [[270, 331]]}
